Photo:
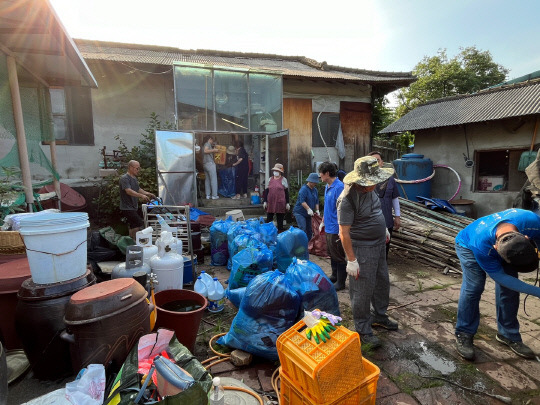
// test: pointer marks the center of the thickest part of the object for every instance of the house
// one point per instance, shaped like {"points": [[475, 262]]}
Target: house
{"points": [[37, 56], [235, 95], [481, 136]]}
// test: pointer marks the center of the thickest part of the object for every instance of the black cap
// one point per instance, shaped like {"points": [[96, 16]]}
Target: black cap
{"points": [[518, 251]]}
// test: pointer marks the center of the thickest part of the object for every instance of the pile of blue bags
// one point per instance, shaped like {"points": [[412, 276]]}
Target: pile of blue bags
{"points": [[272, 282]]}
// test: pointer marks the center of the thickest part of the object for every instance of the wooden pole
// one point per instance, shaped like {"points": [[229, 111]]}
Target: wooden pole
{"points": [[56, 183], [21, 136]]}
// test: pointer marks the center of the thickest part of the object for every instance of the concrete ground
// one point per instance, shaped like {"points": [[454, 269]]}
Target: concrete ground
{"points": [[419, 364]]}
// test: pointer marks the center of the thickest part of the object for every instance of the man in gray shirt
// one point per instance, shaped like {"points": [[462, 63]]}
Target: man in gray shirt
{"points": [[130, 192], [363, 235]]}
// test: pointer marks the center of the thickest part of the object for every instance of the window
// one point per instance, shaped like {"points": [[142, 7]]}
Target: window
{"points": [[71, 109], [227, 100], [329, 124], [497, 170]]}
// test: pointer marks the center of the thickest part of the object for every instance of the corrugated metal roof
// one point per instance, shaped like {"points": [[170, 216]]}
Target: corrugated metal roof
{"points": [[288, 65], [515, 100]]}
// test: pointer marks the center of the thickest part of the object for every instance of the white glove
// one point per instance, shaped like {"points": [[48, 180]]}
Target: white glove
{"points": [[387, 237], [288, 207], [310, 212], [318, 212], [353, 268], [321, 226], [264, 205]]}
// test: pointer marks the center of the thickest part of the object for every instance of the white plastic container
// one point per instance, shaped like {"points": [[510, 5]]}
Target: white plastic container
{"points": [[200, 287], [216, 297], [236, 215], [55, 245], [144, 239], [208, 281], [167, 265]]}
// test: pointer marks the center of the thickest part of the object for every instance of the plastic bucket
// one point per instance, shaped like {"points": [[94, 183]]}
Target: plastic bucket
{"points": [[185, 324], [188, 269], [236, 215], [55, 245], [255, 199]]}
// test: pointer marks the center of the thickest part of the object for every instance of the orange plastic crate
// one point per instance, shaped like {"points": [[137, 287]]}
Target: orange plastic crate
{"points": [[323, 371], [363, 394]]}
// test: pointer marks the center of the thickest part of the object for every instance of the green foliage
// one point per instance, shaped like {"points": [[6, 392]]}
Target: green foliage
{"points": [[108, 200], [8, 195], [382, 114], [438, 76]]}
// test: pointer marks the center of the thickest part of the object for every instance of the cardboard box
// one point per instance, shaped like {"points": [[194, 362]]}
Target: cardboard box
{"points": [[219, 157], [490, 183]]}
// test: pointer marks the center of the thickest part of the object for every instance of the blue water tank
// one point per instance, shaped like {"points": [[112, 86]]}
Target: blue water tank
{"points": [[413, 166]]}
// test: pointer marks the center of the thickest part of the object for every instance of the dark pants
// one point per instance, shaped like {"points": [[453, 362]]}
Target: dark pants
{"points": [[241, 180], [390, 230], [279, 219]]}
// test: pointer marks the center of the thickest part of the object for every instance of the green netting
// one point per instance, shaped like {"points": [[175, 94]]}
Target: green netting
{"points": [[37, 125]]}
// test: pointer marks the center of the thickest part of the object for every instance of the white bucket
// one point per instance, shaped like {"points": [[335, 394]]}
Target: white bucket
{"points": [[55, 246], [236, 215]]}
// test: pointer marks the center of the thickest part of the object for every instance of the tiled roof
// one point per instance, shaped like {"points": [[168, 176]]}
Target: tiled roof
{"points": [[496, 103], [287, 65]]}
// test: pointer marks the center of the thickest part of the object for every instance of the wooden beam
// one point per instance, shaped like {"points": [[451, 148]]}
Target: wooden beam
{"points": [[25, 30], [8, 52]]}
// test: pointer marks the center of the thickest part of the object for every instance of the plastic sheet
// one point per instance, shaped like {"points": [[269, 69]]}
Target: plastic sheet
{"points": [[227, 187], [269, 307], [219, 248], [291, 243], [313, 286]]}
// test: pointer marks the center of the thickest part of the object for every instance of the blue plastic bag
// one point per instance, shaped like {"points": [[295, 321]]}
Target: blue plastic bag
{"points": [[248, 263], [313, 286], [235, 296], [269, 307], [219, 247], [269, 233], [291, 243], [227, 187], [235, 229]]}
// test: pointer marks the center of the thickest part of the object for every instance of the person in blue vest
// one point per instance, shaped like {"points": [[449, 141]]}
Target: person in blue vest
{"points": [[334, 187], [307, 204], [499, 245]]}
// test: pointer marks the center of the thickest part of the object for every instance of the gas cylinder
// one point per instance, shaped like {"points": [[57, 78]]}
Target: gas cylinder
{"points": [[134, 263], [167, 265], [144, 239]]}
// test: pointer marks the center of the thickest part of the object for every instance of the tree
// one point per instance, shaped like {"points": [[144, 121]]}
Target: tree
{"points": [[382, 114], [468, 72]]}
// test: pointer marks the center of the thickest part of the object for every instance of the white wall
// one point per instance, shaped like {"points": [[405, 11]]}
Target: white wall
{"points": [[446, 146], [122, 105]]}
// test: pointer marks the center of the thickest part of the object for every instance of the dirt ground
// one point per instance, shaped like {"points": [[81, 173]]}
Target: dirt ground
{"points": [[418, 363]]}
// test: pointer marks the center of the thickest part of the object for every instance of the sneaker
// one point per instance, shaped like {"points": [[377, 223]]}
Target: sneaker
{"points": [[519, 348], [244, 196], [236, 197], [386, 324], [464, 345], [207, 197], [371, 340], [215, 198]]}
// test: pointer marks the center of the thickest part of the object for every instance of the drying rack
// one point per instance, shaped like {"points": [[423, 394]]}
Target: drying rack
{"points": [[176, 217]]}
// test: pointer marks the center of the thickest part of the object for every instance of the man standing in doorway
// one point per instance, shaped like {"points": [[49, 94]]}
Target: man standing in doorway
{"points": [[334, 187], [130, 192]]}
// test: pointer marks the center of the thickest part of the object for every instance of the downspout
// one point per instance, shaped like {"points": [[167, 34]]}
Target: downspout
{"points": [[21, 137]]}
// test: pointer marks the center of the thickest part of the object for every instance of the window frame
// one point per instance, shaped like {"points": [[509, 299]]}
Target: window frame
{"points": [[316, 140], [509, 150]]}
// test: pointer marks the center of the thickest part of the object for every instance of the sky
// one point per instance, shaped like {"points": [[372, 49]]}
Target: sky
{"points": [[384, 35]]}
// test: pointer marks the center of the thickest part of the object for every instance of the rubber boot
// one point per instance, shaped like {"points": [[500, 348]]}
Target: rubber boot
{"points": [[333, 277], [341, 274]]}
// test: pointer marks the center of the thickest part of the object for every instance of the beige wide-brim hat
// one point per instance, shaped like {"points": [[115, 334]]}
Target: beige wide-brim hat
{"points": [[231, 150], [367, 172], [278, 167]]}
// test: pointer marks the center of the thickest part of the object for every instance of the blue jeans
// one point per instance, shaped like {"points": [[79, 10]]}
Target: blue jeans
{"points": [[472, 287], [304, 224]]}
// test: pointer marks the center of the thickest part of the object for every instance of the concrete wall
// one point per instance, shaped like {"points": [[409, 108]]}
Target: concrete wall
{"points": [[446, 146], [122, 105]]}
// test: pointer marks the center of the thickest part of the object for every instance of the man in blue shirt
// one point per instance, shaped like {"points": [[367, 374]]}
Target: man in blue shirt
{"points": [[307, 204], [499, 245], [333, 189]]}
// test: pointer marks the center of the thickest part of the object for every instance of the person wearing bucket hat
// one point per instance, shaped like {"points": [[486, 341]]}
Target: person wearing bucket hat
{"points": [[363, 233], [500, 245], [276, 196], [307, 204], [242, 169]]}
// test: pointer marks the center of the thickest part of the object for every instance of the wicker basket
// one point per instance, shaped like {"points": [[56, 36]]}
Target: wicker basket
{"points": [[11, 243]]}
